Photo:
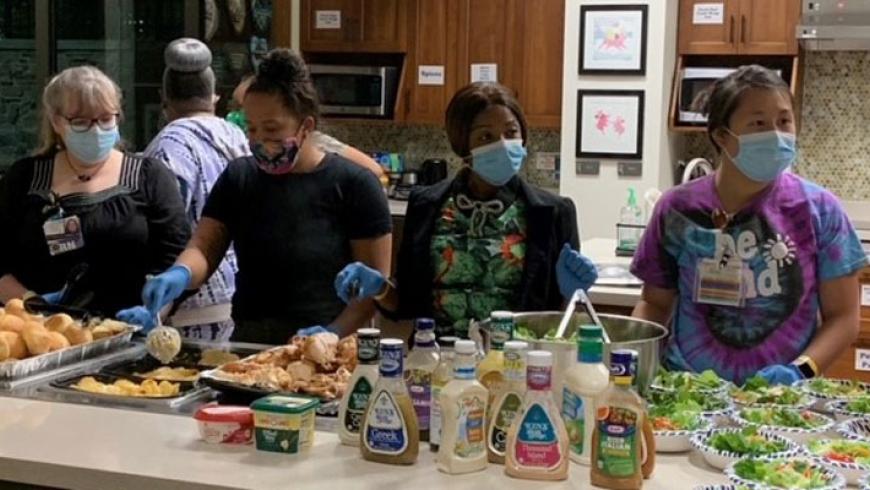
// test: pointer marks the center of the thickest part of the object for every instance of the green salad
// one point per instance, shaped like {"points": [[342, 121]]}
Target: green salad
{"points": [[690, 400], [676, 417], [757, 390], [746, 442], [685, 380], [842, 450], [859, 405], [782, 417], [782, 473], [522, 332], [837, 388]]}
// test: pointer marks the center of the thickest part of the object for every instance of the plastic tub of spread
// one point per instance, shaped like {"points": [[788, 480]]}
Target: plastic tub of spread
{"points": [[225, 424], [284, 423]]}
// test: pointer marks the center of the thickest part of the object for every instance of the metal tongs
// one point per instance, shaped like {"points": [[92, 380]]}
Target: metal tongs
{"points": [[581, 297]]}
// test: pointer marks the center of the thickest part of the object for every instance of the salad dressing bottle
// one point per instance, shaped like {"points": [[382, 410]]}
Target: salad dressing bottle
{"points": [[463, 405], [422, 361], [356, 398], [440, 377], [617, 452], [490, 371], [507, 401], [389, 433], [584, 384], [537, 447]]}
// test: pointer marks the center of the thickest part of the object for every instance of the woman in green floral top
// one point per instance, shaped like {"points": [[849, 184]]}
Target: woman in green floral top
{"points": [[484, 241]]}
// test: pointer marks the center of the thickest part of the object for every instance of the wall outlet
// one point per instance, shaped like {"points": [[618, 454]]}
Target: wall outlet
{"points": [[629, 169], [588, 167]]}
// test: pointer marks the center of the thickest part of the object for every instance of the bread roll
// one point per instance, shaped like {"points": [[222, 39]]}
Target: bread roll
{"points": [[15, 307], [57, 341], [14, 346], [78, 335], [11, 323], [59, 323], [37, 338]]}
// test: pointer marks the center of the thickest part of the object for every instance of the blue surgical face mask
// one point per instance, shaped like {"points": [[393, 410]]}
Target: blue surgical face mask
{"points": [[764, 156], [498, 162], [93, 146]]}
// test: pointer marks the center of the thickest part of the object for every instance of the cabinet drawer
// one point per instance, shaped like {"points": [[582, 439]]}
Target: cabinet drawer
{"points": [[844, 367]]}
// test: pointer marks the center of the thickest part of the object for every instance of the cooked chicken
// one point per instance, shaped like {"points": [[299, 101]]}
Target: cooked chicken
{"points": [[302, 370], [321, 348], [281, 356]]}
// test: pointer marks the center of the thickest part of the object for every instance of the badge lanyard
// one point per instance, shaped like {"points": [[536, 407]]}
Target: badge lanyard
{"points": [[63, 233]]}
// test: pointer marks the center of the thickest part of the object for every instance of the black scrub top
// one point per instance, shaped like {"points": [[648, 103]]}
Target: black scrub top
{"points": [[292, 235], [131, 230]]}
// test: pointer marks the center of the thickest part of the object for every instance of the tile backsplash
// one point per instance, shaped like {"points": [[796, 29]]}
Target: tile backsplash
{"points": [[420, 142], [834, 139]]}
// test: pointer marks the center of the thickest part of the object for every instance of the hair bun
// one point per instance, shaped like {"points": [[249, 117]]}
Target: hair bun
{"points": [[283, 65], [187, 55]]}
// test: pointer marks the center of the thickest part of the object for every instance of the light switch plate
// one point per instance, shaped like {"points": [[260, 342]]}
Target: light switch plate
{"points": [[588, 167], [629, 169]]}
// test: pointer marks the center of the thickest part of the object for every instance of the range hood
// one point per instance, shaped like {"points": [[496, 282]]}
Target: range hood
{"points": [[835, 25]]}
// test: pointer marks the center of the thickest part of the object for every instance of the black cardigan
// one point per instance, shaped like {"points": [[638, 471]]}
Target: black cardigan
{"points": [[552, 221]]}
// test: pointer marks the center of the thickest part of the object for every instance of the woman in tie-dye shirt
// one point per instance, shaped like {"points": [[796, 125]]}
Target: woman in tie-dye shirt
{"points": [[789, 307]]}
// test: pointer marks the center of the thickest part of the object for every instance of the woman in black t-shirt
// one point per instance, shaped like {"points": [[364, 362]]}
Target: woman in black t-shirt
{"points": [[295, 216], [81, 201]]}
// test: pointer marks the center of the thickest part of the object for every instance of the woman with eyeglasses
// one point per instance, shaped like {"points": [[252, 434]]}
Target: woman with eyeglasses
{"points": [[81, 204]]}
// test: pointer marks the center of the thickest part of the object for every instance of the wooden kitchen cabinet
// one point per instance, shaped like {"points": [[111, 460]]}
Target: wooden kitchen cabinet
{"points": [[845, 365], [371, 26], [539, 74], [748, 27], [488, 34]]}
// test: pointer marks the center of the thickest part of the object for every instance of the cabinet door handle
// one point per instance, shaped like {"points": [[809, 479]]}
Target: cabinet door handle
{"points": [[731, 31], [743, 29]]}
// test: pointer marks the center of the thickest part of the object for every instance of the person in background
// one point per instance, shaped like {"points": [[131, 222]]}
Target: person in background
{"points": [[197, 146], [754, 267], [295, 215], [326, 143], [80, 200], [486, 240]]}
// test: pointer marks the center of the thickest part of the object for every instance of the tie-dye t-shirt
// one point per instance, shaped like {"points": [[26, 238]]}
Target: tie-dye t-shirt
{"points": [[791, 238]]}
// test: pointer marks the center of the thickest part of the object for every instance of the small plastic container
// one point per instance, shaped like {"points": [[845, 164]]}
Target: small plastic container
{"points": [[225, 424], [284, 423]]}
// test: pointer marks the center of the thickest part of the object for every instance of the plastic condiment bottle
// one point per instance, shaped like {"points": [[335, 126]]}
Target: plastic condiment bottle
{"points": [[463, 402], [440, 377], [537, 447], [490, 371], [618, 436], [356, 398], [507, 401], [422, 361], [390, 433], [584, 384]]}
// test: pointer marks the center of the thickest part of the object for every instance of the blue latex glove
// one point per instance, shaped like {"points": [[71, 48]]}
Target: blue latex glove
{"points": [[305, 332], [368, 281], [781, 374], [138, 315], [165, 288], [574, 271], [53, 298]]}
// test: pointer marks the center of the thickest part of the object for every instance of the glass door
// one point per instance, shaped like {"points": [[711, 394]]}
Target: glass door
{"points": [[19, 89]]}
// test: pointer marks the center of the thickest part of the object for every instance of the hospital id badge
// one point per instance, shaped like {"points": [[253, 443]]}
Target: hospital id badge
{"points": [[720, 282], [63, 234]]}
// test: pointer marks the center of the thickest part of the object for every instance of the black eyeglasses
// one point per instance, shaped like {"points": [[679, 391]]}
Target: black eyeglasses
{"points": [[83, 124]]}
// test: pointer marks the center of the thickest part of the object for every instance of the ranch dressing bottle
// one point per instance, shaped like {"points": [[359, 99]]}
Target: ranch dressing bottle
{"points": [[389, 432], [507, 401], [356, 398], [463, 405], [440, 377], [537, 447], [584, 384]]}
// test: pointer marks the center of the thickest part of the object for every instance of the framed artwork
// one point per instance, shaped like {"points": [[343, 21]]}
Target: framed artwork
{"points": [[610, 124], [613, 39]]}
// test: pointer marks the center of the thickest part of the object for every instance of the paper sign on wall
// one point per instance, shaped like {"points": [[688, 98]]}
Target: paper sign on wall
{"points": [[484, 72], [709, 13], [430, 75], [865, 295], [327, 19], [862, 359]]}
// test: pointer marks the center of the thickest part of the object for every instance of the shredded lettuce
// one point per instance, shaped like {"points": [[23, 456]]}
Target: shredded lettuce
{"points": [[746, 442], [781, 473]]}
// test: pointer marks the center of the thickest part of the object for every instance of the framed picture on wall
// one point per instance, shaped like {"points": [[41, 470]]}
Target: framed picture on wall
{"points": [[613, 39], [610, 124]]}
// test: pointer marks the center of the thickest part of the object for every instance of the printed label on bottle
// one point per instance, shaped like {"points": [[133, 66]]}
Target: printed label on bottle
{"points": [[617, 442], [575, 420], [385, 429], [538, 378], [514, 365], [469, 440], [419, 384], [435, 416], [537, 445], [356, 405], [504, 414], [493, 381], [367, 349]]}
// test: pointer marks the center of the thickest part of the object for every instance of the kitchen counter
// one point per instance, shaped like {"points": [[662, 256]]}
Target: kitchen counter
{"points": [[87, 447], [602, 251]]}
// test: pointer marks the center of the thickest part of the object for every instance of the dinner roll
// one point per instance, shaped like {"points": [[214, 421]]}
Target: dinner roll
{"points": [[11, 323], [78, 335], [37, 338], [57, 341], [14, 346], [59, 323], [15, 307]]}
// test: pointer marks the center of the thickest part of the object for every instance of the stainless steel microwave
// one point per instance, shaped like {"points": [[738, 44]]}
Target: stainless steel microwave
{"points": [[695, 84], [348, 90]]}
